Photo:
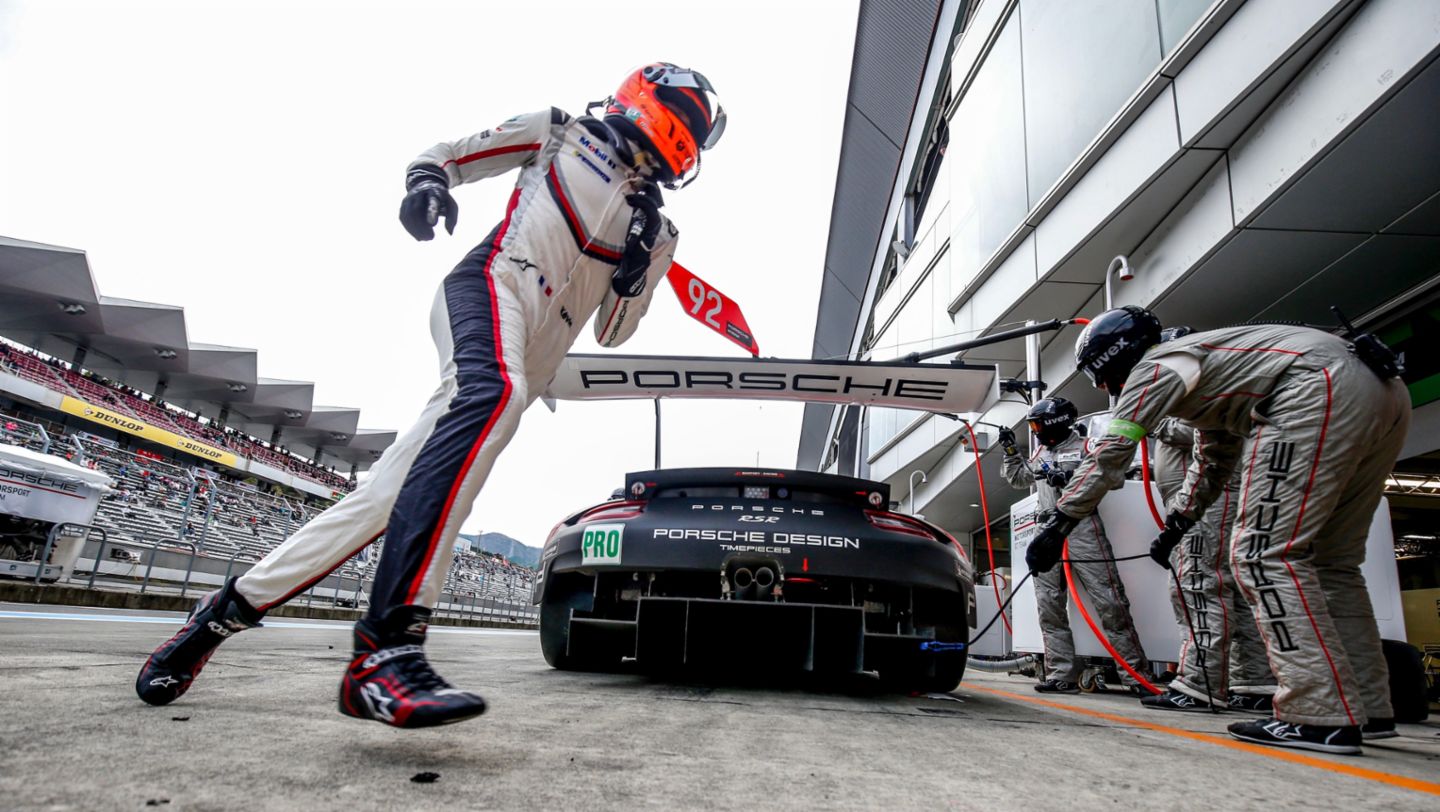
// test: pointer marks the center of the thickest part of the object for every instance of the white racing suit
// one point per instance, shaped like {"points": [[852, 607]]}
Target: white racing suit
{"points": [[1097, 579], [1315, 432], [1224, 651], [502, 322]]}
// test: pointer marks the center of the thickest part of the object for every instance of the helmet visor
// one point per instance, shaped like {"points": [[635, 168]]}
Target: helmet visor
{"points": [[671, 76]]}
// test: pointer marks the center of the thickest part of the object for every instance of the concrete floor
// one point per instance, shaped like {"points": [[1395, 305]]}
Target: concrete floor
{"points": [[260, 731]]}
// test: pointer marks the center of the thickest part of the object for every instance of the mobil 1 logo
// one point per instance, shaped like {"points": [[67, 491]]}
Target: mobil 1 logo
{"points": [[601, 544]]}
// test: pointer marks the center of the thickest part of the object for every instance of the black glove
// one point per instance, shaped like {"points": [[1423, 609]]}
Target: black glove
{"points": [[1058, 478], [1176, 526], [1006, 439], [1047, 546], [629, 279], [427, 199]]}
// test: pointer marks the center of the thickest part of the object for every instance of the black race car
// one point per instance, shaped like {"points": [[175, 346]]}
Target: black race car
{"points": [[714, 568]]}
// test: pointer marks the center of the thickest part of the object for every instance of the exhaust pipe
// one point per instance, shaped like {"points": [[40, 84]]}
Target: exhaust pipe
{"points": [[744, 584], [764, 583]]}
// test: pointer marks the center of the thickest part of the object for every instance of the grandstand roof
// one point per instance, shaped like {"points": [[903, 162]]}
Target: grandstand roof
{"points": [[49, 301]]}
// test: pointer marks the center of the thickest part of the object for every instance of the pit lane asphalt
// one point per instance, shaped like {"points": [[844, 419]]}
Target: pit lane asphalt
{"points": [[260, 731]]}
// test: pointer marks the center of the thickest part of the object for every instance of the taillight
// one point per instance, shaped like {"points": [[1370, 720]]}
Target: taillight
{"points": [[897, 523], [611, 511]]}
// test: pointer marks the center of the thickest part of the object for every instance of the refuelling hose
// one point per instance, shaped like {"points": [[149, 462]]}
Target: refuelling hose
{"points": [[985, 515], [1100, 635]]}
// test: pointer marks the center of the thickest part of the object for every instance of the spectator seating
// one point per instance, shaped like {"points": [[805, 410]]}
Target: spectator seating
{"points": [[61, 377], [231, 519]]}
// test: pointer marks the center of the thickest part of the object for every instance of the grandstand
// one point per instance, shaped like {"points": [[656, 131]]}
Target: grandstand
{"points": [[210, 490], [158, 505]]}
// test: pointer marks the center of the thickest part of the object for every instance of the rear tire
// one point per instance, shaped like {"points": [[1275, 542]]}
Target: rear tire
{"points": [[564, 594]]}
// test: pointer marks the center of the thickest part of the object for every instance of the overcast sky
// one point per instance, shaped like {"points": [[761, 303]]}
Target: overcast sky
{"points": [[245, 161]]}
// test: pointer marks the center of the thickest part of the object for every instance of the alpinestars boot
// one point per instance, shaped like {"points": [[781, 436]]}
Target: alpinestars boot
{"points": [[390, 681], [177, 662], [1321, 738]]}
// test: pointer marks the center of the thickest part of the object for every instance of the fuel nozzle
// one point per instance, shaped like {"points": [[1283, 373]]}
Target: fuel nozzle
{"points": [[1371, 351]]}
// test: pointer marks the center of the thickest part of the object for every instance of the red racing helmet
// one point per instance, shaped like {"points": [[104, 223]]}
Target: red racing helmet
{"points": [[673, 113]]}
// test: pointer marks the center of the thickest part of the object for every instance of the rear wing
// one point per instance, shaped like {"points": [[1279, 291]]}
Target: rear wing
{"points": [[948, 388]]}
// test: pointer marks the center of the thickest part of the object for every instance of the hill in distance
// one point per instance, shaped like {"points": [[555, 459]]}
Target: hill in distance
{"points": [[501, 544]]}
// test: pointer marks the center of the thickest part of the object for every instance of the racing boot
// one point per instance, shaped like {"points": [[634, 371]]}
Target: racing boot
{"points": [[1252, 703], [1320, 738], [390, 681], [177, 662], [1173, 700], [1057, 686]]}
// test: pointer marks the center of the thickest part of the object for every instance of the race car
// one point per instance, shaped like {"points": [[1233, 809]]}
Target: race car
{"points": [[717, 568]]}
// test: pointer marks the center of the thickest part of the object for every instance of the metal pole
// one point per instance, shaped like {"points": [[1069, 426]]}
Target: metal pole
{"points": [[923, 479], [99, 556], [154, 551], [209, 510], [45, 555], [993, 338], [657, 434], [1032, 368], [189, 568], [1120, 263], [189, 502]]}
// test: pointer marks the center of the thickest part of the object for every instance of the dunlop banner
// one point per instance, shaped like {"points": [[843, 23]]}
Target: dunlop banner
{"points": [[143, 430]]}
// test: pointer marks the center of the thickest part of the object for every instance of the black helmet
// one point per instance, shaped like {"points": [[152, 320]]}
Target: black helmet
{"points": [[1112, 344], [1172, 333], [1051, 420]]}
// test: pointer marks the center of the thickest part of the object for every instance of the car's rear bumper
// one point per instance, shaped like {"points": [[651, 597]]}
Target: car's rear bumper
{"points": [[707, 634]]}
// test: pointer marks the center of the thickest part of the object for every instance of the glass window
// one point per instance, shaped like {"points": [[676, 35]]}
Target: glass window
{"points": [[883, 425], [916, 320], [986, 158], [1082, 61], [1176, 19]]}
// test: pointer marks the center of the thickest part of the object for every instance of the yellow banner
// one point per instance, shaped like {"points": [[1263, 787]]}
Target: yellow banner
{"points": [[131, 425]]}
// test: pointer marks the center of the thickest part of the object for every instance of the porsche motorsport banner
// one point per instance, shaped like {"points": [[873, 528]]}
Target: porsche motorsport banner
{"points": [[926, 387], [33, 492], [131, 425]]}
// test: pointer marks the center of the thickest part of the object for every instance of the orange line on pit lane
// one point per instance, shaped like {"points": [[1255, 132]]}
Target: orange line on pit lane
{"points": [[1403, 782]]}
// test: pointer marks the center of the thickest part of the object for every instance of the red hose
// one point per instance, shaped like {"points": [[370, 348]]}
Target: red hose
{"points": [[985, 513], [1099, 635], [1145, 480]]}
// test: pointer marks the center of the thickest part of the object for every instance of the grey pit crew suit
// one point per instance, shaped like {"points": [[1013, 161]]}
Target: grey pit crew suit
{"points": [[1315, 433], [1099, 580], [1225, 646], [502, 322]]}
